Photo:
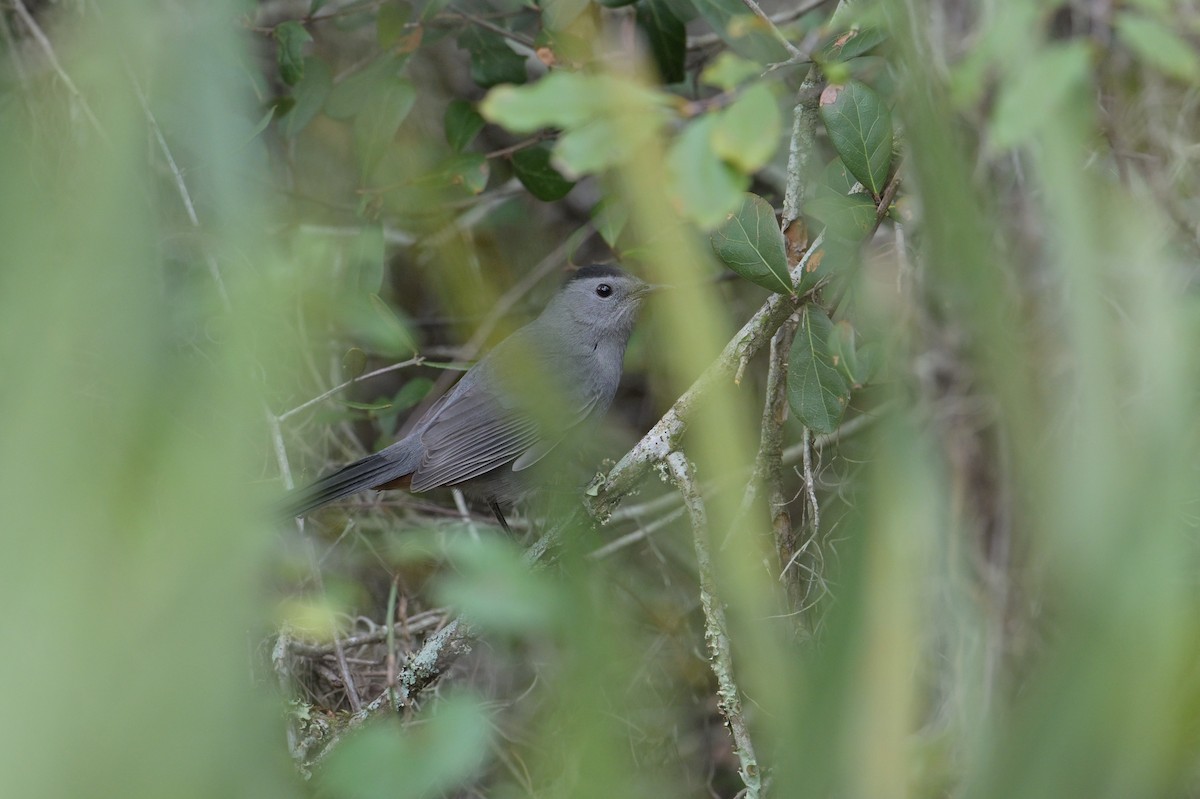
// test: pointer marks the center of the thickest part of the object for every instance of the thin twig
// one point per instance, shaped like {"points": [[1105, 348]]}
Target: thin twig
{"points": [[418, 623], [417, 361], [716, 627], [185, 196], [47, 48], [464, 513], [640, 534], [782, 18], [810, 492], [393, 593], [756, 9], [494, 28], [512, 148]]}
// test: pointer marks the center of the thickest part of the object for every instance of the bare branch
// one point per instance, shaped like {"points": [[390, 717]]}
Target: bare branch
{"points": [[756, 9], [417, 361], [669, 503], [802, 145], [782, 18], [608, 490], [716, 628]]}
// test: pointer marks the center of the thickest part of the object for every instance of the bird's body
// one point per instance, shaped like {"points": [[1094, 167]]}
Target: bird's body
{"points": [[491, 433]]}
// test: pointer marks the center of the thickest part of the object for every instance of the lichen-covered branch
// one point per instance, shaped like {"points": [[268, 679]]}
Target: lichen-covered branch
{"points": [[716, 628], [801, 145], [770, 458], [607, 491]]}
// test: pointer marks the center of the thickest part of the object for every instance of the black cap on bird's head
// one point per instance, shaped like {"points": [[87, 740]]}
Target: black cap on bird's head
{"points": [[597, 271]]}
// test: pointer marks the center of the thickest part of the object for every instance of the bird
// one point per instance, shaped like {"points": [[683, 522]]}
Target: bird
{"points": [[492, 432]]}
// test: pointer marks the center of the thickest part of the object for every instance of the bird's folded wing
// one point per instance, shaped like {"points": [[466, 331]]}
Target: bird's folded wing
{"points": [[476, 432]]}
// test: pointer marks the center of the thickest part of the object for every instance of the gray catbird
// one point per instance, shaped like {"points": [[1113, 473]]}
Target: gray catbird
{"points": [[514, 406]]}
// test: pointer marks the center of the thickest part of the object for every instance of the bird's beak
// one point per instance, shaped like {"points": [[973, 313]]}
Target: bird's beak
{"points": [[650, 288]]}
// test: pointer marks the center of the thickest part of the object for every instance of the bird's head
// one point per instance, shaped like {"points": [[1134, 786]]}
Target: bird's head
{"points": [[601, 300]]}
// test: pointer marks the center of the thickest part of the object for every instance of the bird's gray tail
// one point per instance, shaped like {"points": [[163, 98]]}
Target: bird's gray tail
{"points": [[373, 470]]}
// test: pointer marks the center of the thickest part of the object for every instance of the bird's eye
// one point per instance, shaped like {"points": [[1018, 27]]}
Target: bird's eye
{"points": [[603, 290]]}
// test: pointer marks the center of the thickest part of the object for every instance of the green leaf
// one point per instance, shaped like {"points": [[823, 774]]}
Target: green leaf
{"points": [[610, 218], [411, 393], [348, 98], [390, 22], [561, 99], [703, 187], [388, 759], [532, 168], [310, 95], [817, 391], [846, 217], [461, 170], [836, 178], [462, 123], [492, 61], [290, 38], [469, 170], [365, 260], [749, 242], [605, 117], [873, 70], [852, 44], [1159, 46], [747, 132], [589, 148], [843, 350], [448, 366], [741, 30], [261, 125], [1036, 93], [370, 321], [728, 71], [557, 15], [860, 127], [667, 36], [564, 100], [381, 405], [376, 125], [870, 359], [354, 362]]}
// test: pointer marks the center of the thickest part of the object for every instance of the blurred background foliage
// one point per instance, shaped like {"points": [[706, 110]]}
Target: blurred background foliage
{"points": [[947, 542]]}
